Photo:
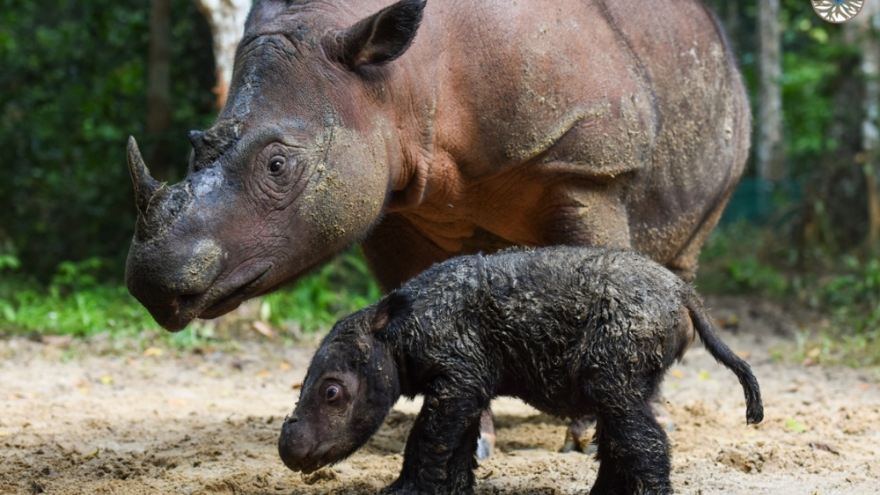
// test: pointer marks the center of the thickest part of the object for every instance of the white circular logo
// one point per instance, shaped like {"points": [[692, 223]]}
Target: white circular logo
{"points": [[837, 11]]}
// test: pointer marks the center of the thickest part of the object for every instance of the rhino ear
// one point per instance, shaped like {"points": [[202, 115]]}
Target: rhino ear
{"points": [[380, 38], [263, 11], [390, 312]]}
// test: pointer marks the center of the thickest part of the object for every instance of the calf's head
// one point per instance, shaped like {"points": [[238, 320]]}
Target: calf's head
{"points": [[350, 386], [297, 166]]}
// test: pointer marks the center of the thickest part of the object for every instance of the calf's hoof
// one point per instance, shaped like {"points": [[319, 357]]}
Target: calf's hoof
{"points": [[401, 491]]}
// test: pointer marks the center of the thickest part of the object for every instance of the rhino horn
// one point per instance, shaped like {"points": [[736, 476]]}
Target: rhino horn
{"points": [[145, 186], [195, 137]]}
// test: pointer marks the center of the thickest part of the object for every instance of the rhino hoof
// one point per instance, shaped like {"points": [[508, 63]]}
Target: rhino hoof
{"points": [[485, 446]]}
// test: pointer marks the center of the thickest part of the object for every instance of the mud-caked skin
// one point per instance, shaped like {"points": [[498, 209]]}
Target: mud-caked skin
{"points": [[427, 130], [571, 331]]}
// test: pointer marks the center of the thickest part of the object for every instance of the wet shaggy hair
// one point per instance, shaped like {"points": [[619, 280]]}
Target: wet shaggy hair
{"points": [[569, 330]]}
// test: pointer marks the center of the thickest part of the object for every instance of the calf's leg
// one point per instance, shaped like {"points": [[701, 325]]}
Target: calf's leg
{"points": [[439, 455], [633, 452]]}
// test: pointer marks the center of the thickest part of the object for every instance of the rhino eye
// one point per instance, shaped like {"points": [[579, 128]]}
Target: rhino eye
{"points": [[332, 393], [276, 164]]}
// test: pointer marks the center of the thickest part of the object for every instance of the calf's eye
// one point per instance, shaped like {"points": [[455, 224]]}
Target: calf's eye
{"points": [[333, 392]]}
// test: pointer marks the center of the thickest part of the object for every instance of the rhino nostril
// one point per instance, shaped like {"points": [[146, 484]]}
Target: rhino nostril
{"points": [[187, 299]]}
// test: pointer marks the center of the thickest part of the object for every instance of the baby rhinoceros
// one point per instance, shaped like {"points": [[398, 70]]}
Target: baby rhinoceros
{"points": [[570, 330]]}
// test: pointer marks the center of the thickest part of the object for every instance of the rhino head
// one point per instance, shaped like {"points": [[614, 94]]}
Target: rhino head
{"points": [[297, 166]]}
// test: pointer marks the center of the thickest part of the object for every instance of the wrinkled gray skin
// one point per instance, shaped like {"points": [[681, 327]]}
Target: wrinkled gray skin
{"points": [[424, 132], [609, 325]]}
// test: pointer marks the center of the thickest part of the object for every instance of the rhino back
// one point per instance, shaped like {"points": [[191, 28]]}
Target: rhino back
{"points": [[640, 96]]}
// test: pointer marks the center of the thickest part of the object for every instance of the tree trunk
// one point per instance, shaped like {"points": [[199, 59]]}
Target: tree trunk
{"points": [[226, 19], [731, 22], [159, 87], [770, 150], [868, 27]]}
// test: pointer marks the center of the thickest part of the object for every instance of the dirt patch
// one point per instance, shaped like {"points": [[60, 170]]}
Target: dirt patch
{"points": [[76, 420]]}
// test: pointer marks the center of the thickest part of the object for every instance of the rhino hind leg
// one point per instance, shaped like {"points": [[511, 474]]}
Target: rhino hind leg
{"points": [[684, 264], [486, 442], [578, 438], [633, 452]]}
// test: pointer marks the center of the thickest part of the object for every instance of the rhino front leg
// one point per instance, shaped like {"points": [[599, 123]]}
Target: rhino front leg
{"points": [[396, 252], [592, 215], [439, 456]]}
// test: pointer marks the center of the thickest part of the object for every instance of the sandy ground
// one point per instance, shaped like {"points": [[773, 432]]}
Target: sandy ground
{"points": [[77, 418]]}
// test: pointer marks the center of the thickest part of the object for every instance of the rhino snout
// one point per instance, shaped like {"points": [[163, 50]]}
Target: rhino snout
{"points": [[296, 446], [171, 280]]}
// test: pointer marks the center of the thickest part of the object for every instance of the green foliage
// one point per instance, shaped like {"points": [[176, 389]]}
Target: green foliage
{"points": [[817, 69], [731, 263], [858, 286], [750, 274], [72, 88], [799, 250], [9, 261], [27, 307], [853, 298], [74, 303]]}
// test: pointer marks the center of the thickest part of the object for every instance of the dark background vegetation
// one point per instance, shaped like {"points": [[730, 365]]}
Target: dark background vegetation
{"points": [[73, 86]]}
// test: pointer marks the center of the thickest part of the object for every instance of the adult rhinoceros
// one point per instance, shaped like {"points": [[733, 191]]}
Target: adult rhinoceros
{"points": [[426, 131]]}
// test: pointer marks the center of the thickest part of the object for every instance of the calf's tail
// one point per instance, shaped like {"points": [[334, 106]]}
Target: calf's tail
{"points": [[719, 350]]}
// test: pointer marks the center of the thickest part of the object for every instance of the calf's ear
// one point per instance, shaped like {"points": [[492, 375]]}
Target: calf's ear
{"points": [[390, 311], [380, 38]]}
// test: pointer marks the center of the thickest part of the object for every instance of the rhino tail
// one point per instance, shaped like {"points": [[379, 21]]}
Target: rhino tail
{"points": [[719, 350]]}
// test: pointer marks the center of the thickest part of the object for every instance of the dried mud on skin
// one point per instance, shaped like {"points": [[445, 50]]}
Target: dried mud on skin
{"points": [[74, 421]]}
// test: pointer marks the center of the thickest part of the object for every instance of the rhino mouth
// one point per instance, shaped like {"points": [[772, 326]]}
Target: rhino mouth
{"points": [[225, 303], [319, 456], [311, 468], [183, 309], [257, 286]]}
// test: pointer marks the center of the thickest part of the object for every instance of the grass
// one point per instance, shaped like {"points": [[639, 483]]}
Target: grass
{"points": [[28, 308]]}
